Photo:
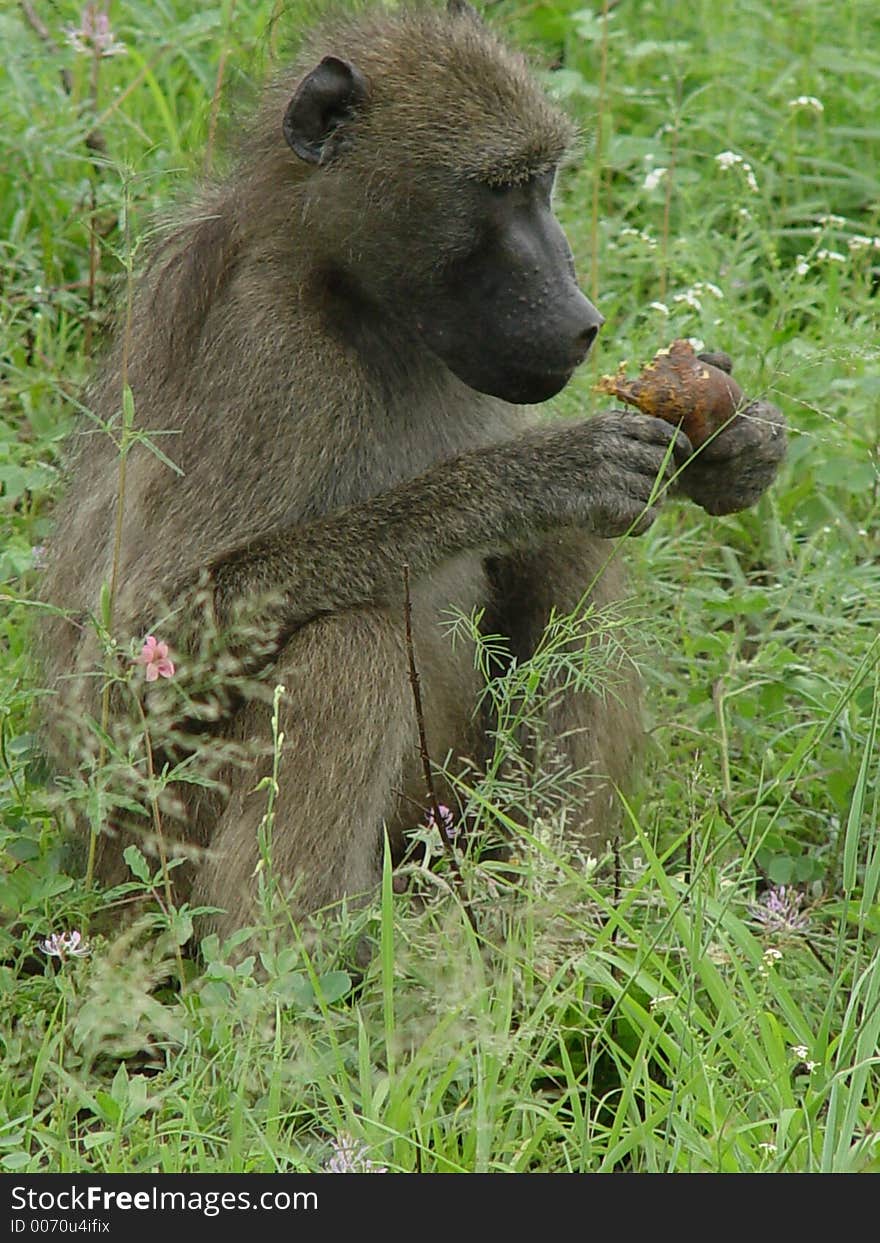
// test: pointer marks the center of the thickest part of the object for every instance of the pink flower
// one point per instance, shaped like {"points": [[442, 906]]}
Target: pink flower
{"points": [[94, 36], [154, 655], [447, 822]]}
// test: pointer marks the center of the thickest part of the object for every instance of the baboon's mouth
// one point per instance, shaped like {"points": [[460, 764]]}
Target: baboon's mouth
{"points": [[530, 388]]}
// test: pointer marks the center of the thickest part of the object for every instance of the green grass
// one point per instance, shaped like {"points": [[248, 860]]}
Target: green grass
{"points": [[630, 1015]]}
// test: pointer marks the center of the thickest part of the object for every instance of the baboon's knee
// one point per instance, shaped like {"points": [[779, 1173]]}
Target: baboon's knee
{"points": [[312, 811]]}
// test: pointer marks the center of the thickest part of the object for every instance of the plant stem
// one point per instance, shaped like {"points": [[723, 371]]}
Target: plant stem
{"points": [[425, 755]]}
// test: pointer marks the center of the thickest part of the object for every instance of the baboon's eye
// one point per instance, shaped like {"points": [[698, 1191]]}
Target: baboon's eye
{"points": [[541, 183]]}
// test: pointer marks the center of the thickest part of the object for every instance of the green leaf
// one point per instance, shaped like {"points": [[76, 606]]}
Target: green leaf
{"points": [[138, 864], [119, 1087], [181, 927], [781, 869], [110, 1109], [13, 481], [127, 414], [23, 849], [853, 475], [334, 985], [294, 989], [16, 1160], [106, 606]]}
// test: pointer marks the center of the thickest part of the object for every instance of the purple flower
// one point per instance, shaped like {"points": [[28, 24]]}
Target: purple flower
{"points": [[350, 1157], [447, 822], [779, 910], [65, 945], [93, 36]]}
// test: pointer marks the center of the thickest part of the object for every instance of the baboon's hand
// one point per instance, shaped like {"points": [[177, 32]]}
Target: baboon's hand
{"points": [[608, 473], [733, 469]]}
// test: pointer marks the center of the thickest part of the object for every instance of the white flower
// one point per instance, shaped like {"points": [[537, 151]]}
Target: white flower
{"points": [[659, 306], [654, 177], [697, 343], [699, 288], [807, 101], [859, 241], [729, 159], [800, 1050], [65, 945], [836, 222], [801, 267], [833, 256], [629, 231], [690, 298], [350, 1157]]}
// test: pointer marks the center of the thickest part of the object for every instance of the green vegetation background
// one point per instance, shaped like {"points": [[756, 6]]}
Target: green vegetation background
{"points": [[633, 1016]]}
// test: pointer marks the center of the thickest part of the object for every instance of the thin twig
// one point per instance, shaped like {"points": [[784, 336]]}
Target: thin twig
{"points": [[94, 139], [160, 839], [125, 444], [424, 754], [119, 100], [618, 887], [667, 198], [218, 90], [41, 30], [94, 261], [718, 704], [4, 760], [597, 176]]}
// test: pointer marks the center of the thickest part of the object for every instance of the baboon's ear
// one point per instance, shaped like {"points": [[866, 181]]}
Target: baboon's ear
{"points": [[324, 100], [461, 8]]}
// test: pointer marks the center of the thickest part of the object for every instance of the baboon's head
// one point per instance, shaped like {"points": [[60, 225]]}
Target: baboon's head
{"points": [[426, 155]]}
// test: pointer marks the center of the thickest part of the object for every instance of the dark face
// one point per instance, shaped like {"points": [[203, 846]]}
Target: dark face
{"points": [[484, 275], [507, 317]]}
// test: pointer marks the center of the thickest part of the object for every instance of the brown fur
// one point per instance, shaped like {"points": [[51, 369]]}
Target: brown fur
{"points": [[321, 450]]}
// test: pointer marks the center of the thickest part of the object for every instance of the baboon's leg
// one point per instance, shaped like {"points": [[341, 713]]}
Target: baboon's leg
{"points": [[348, 727], [598, 735]]}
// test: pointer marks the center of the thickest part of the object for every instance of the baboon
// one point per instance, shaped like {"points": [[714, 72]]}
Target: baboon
{"points": [[347, 335]]}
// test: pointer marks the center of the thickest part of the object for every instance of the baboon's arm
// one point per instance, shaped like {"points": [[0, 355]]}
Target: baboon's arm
{"points": [[599, 475]]}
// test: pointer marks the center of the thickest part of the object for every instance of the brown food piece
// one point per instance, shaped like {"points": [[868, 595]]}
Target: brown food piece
{"points": [[680, 388]]}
